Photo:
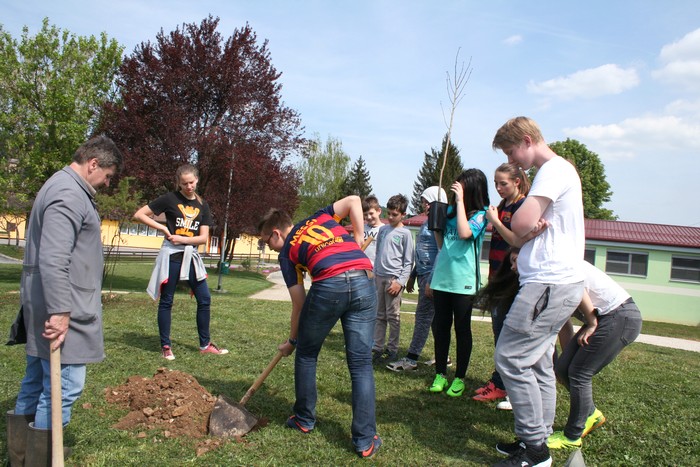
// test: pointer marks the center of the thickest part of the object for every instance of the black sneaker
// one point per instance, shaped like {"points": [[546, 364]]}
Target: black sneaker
{"points": [[388, 356], [528, 457], [509, 449]]}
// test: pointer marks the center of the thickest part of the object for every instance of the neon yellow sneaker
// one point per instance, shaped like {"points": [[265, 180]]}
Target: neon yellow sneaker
{"points": [[439, 383], [594, 421], [457, 388], [558, 440]]}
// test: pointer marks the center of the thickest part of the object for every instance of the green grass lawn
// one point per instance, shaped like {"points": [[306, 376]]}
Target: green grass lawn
{"points": [[649, 394]]}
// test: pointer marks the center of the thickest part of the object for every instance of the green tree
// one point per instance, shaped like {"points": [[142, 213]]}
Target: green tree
{"points": [[323, 171], [596, 189], [429, 173], [357, 182], [52, 87]]}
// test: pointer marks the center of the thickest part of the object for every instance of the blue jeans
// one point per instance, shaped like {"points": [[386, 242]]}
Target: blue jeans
{"points": [[35, 392], [352, 298], [425, 310], [200, 289], [498, 316]]}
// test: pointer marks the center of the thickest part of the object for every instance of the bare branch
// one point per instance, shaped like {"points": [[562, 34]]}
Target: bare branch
{"points": [[455, 92]]}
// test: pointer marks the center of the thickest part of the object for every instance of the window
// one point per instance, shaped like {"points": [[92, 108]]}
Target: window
{"points": [[589, 255], [621, 262], [133, 228], [685, 269]]}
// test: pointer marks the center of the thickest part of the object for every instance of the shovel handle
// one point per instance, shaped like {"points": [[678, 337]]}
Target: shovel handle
{"points": [[366, 243], [258, 382], [56, 408]]}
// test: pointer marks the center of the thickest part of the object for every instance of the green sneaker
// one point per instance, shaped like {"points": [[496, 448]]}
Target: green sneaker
{"points": [[594, 421], [439, 384], [457, 388], [558, 440]]}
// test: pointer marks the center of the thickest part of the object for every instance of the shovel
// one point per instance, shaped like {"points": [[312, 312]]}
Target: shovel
{"points": [[231, 419], [56, 408]]}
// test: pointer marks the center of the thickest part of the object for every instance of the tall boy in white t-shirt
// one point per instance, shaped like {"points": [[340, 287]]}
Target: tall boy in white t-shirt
{"points": [[551, 287]]}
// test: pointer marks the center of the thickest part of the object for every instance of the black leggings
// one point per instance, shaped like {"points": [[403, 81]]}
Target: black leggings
{"points": [[451, 307]]}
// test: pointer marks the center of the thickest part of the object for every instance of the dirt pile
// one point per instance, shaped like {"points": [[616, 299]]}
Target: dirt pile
{"points": [[172, 401]]}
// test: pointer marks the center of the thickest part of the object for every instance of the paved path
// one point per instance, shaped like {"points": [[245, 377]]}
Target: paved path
{"points": [[278, 292], [8, 260]]}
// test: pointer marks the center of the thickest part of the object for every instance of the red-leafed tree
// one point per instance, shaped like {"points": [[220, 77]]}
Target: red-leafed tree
{"points": [[191, 97]]}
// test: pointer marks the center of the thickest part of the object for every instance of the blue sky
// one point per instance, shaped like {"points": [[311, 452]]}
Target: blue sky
{"points": [[621, 77]]}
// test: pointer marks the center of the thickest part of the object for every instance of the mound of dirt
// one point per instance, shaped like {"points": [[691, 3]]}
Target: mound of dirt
{"points": [[172, 401]]}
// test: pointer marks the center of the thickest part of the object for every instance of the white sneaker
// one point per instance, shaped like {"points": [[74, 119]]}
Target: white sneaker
{"points": [[504, 405], [431, 362], [404, 364]]}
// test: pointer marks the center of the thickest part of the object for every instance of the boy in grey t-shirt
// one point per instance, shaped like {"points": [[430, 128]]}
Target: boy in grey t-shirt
{"points": [[392, 268], [372, 212]]}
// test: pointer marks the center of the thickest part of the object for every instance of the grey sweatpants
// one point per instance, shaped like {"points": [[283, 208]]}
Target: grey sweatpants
{"points": [[524, 354]]}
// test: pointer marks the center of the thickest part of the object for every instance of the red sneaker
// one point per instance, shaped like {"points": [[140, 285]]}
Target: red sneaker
{"points": [[486, 387], [491, 395], [212, 348]]}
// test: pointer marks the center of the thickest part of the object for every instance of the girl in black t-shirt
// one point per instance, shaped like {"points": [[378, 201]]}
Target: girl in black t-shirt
{"points": [[187, 222]]}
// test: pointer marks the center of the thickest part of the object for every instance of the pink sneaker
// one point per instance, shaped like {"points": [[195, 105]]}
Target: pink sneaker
{"points": [[167, 353], [212, 348]]}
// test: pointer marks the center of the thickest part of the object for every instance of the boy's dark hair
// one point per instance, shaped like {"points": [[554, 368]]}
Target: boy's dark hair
{"points": [[502, 288], [370, 202], [274, 219], [398, 203], [101, 148]]}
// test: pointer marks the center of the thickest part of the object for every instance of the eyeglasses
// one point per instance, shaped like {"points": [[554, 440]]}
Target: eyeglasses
{"points": [[269, 237]]}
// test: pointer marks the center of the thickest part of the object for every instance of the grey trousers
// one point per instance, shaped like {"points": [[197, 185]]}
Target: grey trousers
{"points": [[524, 355], [577, 365], [388, 308]]}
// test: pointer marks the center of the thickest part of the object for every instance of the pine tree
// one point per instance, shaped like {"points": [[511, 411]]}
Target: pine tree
{"points": [[358, 182], [429, 174]]}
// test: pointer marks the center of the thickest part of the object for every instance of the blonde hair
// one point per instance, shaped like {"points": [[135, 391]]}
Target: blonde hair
{"points": [[514, 131]]}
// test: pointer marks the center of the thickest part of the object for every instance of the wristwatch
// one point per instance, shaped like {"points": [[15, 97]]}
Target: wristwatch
{"points": [[292, 341]]}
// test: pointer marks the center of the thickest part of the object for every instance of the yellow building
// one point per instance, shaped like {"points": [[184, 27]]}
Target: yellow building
{"points": [[134, 235], [137, 235]]}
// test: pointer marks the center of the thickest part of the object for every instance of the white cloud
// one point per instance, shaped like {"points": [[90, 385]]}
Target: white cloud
{"points": [[688, 48], [513, 40], [684, 107], [593, 82], [663, 136], [681, 63]]}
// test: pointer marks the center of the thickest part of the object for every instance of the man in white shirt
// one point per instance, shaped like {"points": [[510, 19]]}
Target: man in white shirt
{"points": [[551, 287]]}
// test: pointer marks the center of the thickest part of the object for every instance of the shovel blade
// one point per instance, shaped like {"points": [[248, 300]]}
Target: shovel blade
{"points": [[230, 419]]}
